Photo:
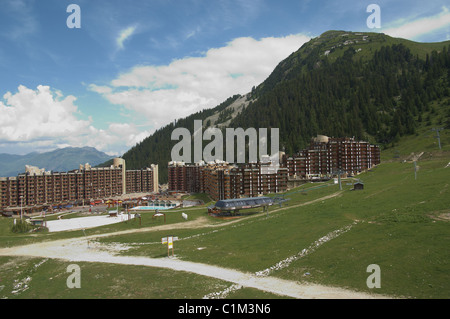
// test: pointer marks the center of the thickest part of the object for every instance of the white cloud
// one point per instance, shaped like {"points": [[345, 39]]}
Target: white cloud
{"points": [[414, 29], [124, 35], [129, 132], [193, 33], [35, 114], [164, 93], [116, 139], [44, 119]]}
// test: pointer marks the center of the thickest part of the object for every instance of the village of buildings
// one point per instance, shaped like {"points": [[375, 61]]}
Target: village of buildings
{"points": [[37, 190]]}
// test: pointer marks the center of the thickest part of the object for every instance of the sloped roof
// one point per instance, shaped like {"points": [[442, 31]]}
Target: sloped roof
{"points": [[243, 203]]}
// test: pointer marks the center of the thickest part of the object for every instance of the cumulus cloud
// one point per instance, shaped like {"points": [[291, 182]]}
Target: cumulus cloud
{"points": [[416, 28], [164, 93], [129, 133], [116, 139], [45, 119], [35, 114]]}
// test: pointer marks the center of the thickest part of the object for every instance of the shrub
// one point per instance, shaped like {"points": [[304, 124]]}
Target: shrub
{"points": [[21, 226]]}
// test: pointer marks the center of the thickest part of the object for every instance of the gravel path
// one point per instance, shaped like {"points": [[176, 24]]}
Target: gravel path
{"points": [[74, 250], [80, 250]]}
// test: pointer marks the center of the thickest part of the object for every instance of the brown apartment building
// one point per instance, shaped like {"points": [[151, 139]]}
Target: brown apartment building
{"points": [[142, 180], [38, 187], [224, 181], [322, 159], [325, 156]]}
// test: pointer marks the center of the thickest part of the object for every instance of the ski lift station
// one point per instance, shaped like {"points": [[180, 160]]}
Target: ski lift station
{"points": [[235, 205]]}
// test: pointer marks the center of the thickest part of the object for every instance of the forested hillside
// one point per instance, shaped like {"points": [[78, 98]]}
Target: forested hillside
{"points": [[366, 85], [378, 100], [157, 147]]}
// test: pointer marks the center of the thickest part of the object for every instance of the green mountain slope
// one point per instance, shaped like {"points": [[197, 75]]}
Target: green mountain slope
{"points": [[366, 85], [157, 147], [370, 86]]}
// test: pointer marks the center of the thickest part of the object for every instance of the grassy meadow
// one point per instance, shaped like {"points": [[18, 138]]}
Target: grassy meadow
{"points": [[397, 222]]}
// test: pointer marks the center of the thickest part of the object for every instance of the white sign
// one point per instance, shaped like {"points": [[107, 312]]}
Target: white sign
{"points": [[169, 241], [166, 240]]}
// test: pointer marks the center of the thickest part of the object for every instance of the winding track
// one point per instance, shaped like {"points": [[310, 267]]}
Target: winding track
{"points": [[76, 250]]}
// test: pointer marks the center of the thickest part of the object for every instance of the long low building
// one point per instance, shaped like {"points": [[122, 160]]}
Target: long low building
{"points": [[237, 204], [38, 188]]}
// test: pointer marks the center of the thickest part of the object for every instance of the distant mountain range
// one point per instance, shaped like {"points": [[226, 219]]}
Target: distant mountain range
{"points": [[61, 160]]}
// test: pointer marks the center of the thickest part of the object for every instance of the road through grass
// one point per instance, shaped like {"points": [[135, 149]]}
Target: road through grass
{"points": [[397, 222]]}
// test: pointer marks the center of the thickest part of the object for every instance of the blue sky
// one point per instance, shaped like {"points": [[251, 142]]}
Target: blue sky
{"points": [[135, 66]]}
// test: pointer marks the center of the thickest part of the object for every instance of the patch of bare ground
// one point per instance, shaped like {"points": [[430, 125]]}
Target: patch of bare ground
{"points": [[443, 215]]}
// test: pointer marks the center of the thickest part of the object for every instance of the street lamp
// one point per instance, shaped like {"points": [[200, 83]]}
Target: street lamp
{"points": [[21, 199]]}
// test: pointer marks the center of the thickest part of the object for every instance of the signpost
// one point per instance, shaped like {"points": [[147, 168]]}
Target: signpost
{"points": [[169, 241]]}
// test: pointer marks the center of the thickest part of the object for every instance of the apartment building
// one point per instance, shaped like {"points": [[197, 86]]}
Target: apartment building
{"points": [[323, 158], [143, 180], [187, 178], [326, 155], [221, 180], [38, 187], [255, 179]]}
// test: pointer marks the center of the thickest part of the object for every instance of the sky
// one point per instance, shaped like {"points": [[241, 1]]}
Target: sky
{"points": [[109, 73]]}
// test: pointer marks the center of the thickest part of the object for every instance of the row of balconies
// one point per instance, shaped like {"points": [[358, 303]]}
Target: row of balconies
{"points": [[33, 196]]}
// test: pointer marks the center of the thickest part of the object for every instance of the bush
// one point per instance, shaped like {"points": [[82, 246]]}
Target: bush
{"points": [[21, 226]]}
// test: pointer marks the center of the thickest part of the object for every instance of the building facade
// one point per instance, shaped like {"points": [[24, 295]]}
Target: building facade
{"points": [[220, 180], [141, 181], [325, 156], [38, 187]]}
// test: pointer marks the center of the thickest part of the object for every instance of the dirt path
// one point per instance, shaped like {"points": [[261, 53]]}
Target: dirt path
{"points": [[72, 250], [78, 250]]}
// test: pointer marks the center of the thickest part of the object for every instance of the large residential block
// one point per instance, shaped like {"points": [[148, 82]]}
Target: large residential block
{"points": [[38, 187], [224, 181], [325, 156]]}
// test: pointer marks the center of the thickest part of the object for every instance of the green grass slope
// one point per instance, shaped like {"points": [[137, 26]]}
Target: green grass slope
{"points": [[397, 222], [323, 235]]}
